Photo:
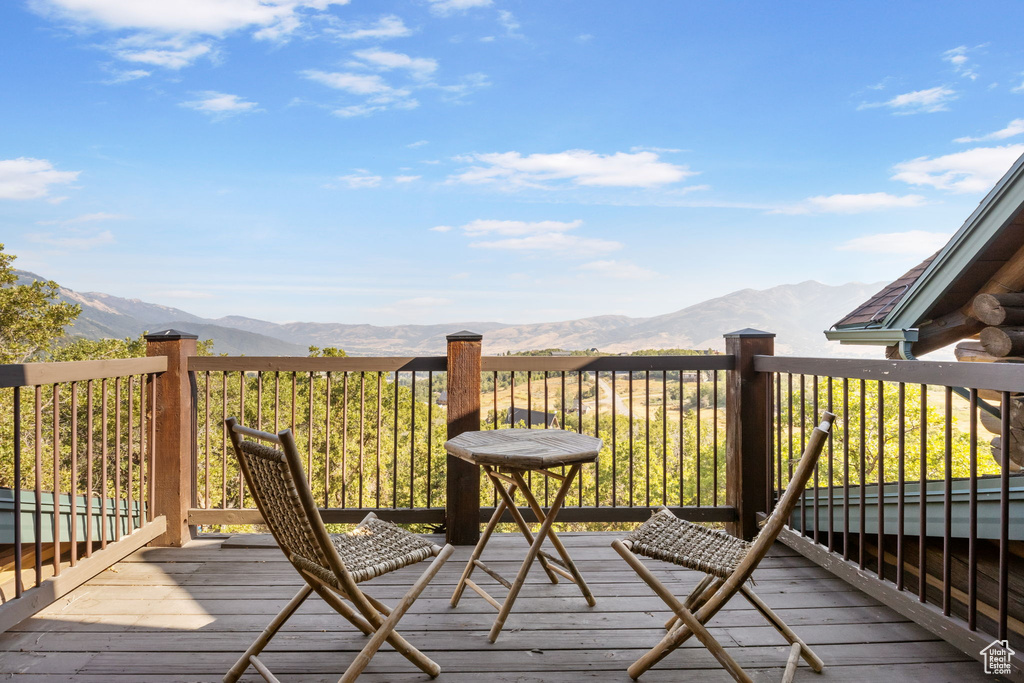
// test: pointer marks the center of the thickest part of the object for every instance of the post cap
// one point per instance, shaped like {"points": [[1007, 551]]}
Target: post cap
{"points": [[170, 335], [748, 332], [464, 335]]}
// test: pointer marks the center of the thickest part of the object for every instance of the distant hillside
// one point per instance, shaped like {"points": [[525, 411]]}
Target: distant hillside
{"points": [[798, 314], [106, 316], [362, 340]]}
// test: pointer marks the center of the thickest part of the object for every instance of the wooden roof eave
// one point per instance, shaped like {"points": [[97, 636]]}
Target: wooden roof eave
{"points": [[997, 209], [993, 213]]}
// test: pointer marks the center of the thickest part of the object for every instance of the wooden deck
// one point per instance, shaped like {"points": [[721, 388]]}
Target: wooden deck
{"points": [[186, 614]]}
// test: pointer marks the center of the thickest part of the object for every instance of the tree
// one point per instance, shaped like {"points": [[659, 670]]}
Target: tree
{"points": [[31, 318]]}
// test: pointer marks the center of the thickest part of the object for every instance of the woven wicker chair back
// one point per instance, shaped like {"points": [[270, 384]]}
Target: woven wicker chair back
{"points": [[277, 495], [790, 498]]}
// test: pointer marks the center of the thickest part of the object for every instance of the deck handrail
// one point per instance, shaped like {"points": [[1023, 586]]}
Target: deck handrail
{"points": [[950, 429], [37, 374], [83, 473], [269, 388], [993, 376], [317, 364]]}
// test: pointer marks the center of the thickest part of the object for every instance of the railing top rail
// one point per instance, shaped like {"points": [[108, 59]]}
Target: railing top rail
{"points": [[439, 363], [306, 364], [606, 363], [33, 374], [993, 376]]}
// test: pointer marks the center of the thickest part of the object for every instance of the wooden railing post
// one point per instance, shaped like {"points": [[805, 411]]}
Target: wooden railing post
{"points": [[462, 511], [174, 439], [746, 415]]}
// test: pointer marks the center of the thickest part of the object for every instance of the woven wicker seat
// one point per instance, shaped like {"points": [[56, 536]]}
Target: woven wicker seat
{"points": [[330, 564], [727, 563], [666, 537]]}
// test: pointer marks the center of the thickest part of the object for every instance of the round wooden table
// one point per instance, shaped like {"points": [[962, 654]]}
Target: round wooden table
{"points": [[505, 456]]}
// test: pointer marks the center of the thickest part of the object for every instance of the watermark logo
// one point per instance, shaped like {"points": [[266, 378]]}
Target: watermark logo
{"points": [[997, 658]]}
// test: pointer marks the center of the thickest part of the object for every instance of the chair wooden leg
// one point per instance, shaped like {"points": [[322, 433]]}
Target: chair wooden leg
{"points": [[692, 603], [269, 632], [386, 630], [555, 541], [477, 552], [812, 659], [794, 659], [401, 645], [531, 555], [691, 622]]}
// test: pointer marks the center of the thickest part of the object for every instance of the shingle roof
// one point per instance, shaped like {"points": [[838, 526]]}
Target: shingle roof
{"points": [[531, 417], [878, 306]]}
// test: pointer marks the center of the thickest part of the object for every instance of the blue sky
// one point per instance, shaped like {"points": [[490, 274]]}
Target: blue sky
{"points": [[455, 160]]}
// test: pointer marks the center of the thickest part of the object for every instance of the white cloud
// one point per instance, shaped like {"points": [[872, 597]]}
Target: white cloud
{"points": [[1015, 127], [171, 53], [659, 150], [85, 218], [455, 92], [973, 170], [579, 166], [449, 6], [517, 228], [175, 33], [379, 95], [128, 76], [509, 23], [210, 17], [360, 180], [618, 270], [910, 243], [418, 143], [917, 102], [220, 105], [26, 178], [852, 203], [407, 178], [1019, 88], [357, 84], [419, 67], [76, 241], [543, 237], [959, 59], [554, 244], [388, 26], [367, 109]]}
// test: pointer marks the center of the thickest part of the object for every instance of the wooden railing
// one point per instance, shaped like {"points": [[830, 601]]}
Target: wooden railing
{"points": [[914, 501], [373, 431], [138, 451], [77, 474], [370, 433]]}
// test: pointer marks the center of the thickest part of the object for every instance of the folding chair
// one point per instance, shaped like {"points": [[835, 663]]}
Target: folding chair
{"points": [[727, 563], [330, 564]]}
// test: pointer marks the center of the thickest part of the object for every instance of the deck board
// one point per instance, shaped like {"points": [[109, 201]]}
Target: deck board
{"points": [[168, 614]]}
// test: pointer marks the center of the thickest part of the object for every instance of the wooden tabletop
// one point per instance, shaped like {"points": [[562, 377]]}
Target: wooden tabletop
{"points": [[524, 448]]}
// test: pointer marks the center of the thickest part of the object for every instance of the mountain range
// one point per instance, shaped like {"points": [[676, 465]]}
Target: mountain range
{"points": [[797, 313]]}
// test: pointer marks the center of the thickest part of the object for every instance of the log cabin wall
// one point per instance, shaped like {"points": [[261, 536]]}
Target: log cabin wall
{"points": [[1001, 341]]}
